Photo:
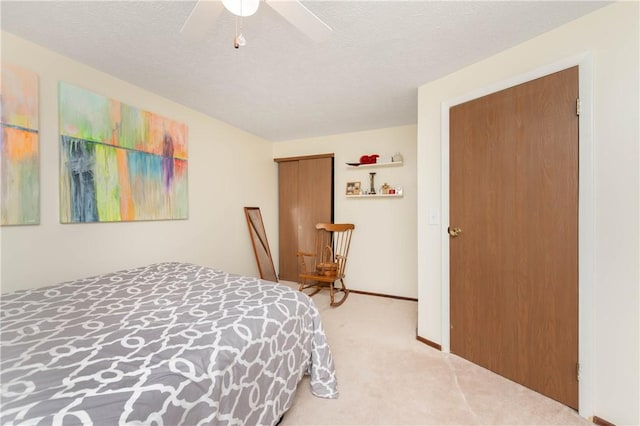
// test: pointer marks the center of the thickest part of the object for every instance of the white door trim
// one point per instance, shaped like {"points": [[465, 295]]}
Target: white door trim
{"points": [[586, 209]]}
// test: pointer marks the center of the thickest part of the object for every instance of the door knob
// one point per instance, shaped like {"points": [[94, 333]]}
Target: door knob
{"points": [[454, 232]]}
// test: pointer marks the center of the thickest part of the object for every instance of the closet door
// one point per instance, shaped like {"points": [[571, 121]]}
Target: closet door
{"points": [[305, 199], [287, 219], [314, 199]]}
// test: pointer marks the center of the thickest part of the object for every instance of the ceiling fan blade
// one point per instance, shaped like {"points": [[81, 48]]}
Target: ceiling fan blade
{"points": [[302, 18], [201, 19]]}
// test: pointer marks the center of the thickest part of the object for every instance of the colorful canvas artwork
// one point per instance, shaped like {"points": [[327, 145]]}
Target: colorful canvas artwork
{"points": [[19, 147], [117, 162]]}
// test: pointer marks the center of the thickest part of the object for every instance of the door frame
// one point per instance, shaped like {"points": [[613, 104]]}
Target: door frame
{"points": [[586, 211]]}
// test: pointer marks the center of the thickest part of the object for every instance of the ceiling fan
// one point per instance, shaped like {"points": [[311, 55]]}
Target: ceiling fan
{"points": [[207, 11]]}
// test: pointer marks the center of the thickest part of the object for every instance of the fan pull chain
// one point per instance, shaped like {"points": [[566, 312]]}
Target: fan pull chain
{"points": [[239, 40]]}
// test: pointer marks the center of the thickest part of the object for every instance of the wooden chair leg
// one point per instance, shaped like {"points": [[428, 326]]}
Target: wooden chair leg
{"points": [[335, 300], [304, 286], [345, 294], [344, 287]]}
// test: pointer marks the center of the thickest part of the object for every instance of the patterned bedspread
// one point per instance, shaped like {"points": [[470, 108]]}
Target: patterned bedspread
{"points": [[166, 344]]}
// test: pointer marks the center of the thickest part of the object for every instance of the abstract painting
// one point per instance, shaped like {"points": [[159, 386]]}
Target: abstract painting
{"points": [[117, 162], [19, 150]]}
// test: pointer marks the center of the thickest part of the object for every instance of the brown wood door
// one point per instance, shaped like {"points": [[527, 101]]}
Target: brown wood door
{"points": [[305, 198], [287, 220], [314, 199], [514, 266]]}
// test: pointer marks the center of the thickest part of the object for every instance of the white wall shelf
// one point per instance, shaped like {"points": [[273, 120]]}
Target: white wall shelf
{"points": [[365, 166], [375, 196]]}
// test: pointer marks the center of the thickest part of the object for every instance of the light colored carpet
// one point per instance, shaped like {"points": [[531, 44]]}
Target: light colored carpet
{"points": [[386, 377]]}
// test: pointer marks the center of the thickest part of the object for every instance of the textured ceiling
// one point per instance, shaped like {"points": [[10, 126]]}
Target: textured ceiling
{"points": [[283, 86]]}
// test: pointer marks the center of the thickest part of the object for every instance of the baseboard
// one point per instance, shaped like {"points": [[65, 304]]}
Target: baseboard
{"points": [[368, 293], [601, 422], [429, 342]]}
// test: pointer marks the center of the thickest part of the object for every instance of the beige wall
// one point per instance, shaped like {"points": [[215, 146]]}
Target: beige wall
{"points": [[228, 169], [610, 279], [383, 251]]}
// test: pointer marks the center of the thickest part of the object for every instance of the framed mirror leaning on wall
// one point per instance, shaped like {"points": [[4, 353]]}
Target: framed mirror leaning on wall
{"points": [[260, 244]]}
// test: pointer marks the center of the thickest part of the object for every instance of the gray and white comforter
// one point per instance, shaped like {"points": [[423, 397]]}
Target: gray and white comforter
{"points": [[167, 344]]}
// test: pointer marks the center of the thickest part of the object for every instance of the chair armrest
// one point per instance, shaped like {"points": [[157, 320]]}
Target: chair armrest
{"points": [[303, 265]]}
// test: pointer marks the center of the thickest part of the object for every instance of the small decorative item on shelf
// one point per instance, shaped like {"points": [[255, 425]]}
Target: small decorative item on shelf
{"points": [[369, 159], [372, 190], [385, 188], [397, 158], [353, 188]]}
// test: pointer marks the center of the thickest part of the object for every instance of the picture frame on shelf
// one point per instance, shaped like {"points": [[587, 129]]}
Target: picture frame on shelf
{"points": [[353, 188]]}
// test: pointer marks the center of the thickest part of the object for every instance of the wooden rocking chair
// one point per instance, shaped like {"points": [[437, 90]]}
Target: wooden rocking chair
{"points": [[322, 268]]}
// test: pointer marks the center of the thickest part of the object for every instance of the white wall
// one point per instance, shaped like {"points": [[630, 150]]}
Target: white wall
{"points": [[610, 37], [228, 169], [383, 249]]}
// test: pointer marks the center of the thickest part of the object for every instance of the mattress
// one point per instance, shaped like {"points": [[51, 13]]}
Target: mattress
{"points": [[166, 344]]}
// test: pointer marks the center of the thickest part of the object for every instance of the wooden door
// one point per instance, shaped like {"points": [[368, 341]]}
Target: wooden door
{"points": [[315, 199], [305, 198], [287, 219], [514, 266]]}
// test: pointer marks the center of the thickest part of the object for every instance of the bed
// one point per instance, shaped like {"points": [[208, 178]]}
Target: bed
{"points": [[165, 344]]}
